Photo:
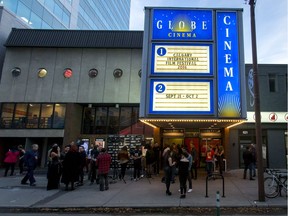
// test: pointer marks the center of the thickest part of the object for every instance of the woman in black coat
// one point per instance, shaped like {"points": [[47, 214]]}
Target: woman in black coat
{"points": [[71, 167], [54, 168]]}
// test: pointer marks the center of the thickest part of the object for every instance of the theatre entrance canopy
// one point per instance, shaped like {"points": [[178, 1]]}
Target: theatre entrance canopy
{"points": [[193, 68]]}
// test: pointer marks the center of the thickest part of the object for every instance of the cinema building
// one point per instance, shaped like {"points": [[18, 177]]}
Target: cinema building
{"points": [[59, 86]]}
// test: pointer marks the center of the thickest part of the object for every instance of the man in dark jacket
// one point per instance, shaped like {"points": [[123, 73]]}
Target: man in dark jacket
{"points": [[248, 159], [30, 160]]}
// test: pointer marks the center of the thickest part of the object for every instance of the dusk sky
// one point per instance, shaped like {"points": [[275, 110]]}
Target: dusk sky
{"points": [[271, 24]]}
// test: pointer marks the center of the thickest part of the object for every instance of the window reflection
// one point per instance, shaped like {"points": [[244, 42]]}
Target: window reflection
{"points": [[113, 120], [88, 121], [125, 120], [19, 116], [101, 120], [46, 113], [7, 115], [33, 116], [59, 116]]}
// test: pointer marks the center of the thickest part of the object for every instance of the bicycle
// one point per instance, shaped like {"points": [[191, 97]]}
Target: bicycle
{"points": [[275, 183]]}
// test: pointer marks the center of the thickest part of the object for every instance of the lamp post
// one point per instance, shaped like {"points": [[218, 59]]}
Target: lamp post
{"points": [[261, 193]]}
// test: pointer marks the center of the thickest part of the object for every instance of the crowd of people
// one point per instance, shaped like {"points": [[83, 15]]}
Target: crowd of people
{"points": [[69, 165]]}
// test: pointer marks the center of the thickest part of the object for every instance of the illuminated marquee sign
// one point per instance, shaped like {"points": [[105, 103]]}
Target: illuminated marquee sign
{"points": [[182, 24], [178, 96], [183, 58], [193, 63], [229, 99]]}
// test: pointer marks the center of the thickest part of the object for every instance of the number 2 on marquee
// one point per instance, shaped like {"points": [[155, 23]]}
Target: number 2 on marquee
{"points": [[160, 88]]}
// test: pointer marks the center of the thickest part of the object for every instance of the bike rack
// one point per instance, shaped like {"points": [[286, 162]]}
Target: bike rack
{"points": [[213, 175]]}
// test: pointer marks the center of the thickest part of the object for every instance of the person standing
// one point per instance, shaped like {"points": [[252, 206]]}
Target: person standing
{"points": [[254, 159], [71, 167], [93, 166], [54, 168], [82, 165], [10, 160], [220, 157], [167, 166], [248, 158], [103, 161], [123, 158], [156, 149], [21, 158], [30, 160], [150, 159], [137, 158], [183, 173], [209, 160], [190, 159], [194, 155]]}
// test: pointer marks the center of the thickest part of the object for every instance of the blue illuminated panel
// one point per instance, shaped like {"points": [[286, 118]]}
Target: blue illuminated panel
{"points": [[229, 92], [182, 24]]}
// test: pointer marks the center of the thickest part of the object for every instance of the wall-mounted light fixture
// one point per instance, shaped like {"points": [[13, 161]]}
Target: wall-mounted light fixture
{"points": [[42, 72], [68, 73], [117, 73], [16, 72], [93, 73]]}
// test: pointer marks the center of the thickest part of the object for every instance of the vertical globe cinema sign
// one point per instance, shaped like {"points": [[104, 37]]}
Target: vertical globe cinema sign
{"points": [[193, 63]]}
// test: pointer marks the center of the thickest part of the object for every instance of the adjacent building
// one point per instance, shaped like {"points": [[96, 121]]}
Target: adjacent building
{"points": [[68, 14], [75, 85]]}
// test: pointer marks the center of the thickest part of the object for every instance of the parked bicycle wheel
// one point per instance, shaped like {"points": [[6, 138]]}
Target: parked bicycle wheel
{"points": [[271, 187], [284, 189]]}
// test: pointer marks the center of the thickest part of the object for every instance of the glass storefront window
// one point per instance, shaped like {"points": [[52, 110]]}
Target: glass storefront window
{"points": [[46, 115], [7, 115], [33, 116], [88, 121], [20, 118], [101, 120], [113, 120], [125, 120], [59, 116]]}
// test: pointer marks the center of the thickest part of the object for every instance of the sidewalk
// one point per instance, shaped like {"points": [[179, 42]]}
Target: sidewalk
{"points": [[145, 193]]}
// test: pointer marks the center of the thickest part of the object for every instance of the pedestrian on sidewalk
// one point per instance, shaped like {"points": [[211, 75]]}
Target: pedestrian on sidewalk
{"points": [[31, 161], [248, 160], [123, 158], [194, 155], [183, 173], [137, 159], [54, 168], [167, 165], [83, 162], [103, 161], [10, 160], [190, 159], [71, 167], [93, 167], [209, 160], [21, 158]]}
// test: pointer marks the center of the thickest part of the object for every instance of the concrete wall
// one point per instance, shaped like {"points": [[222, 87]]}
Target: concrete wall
{"points": [[276, 149], [80, 88], [269, 101]]}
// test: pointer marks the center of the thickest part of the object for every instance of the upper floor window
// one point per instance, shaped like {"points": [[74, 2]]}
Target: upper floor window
{"points": [[32, 115], [272, 82]]}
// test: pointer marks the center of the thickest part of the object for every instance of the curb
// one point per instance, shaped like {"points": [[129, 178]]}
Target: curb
{"points": [[147, 210]]}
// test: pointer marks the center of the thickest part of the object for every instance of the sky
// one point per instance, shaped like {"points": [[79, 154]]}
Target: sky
{"points": [[270, 17]]}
